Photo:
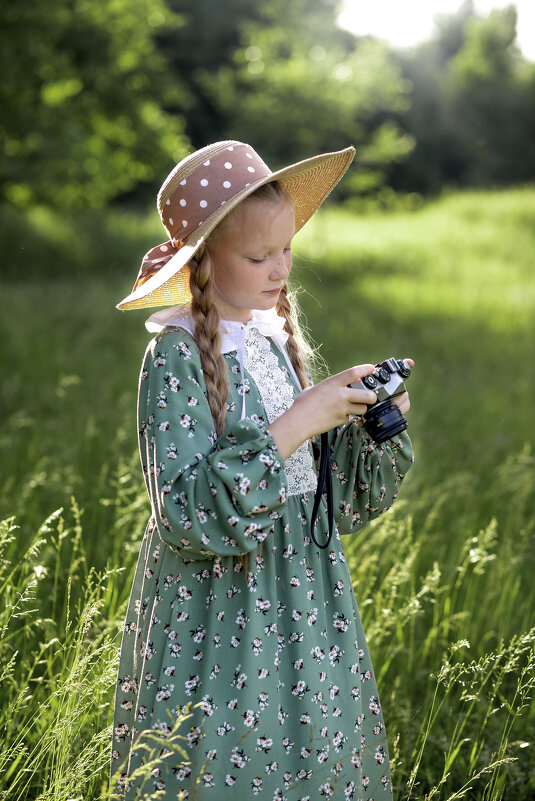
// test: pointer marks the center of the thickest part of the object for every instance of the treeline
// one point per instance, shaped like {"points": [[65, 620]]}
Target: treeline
{"points": [[101, 97]]}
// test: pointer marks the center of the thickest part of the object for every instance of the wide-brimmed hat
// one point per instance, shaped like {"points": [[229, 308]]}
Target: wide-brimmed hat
{"points": [[200, 192]]}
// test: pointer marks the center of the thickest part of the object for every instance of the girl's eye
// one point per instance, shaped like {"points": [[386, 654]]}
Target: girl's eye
{"points": [[255, 261]]}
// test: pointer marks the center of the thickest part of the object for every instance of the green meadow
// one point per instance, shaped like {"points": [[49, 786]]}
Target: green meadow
{"points": [[444, 581]]}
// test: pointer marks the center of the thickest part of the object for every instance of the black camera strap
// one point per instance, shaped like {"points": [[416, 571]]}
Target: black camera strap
{"points": [[325, 484]]}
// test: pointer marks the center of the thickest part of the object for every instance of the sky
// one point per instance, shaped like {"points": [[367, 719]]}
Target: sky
{"points": [[407, 22]]}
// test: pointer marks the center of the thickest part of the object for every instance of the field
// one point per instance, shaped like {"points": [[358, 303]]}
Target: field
{"points": [[445, 582]]}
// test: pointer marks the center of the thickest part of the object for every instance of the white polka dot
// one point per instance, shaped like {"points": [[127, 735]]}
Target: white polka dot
{"points": [[203, 204], [204, 182], [182, 202], [230, 148], [171, 221], [167, 202], [228, 165], [248, 184], [251, 169], [163, 248], [184, 182], [248, 155], [184, 223], [207, 163], [223, 202], [227, 184]]}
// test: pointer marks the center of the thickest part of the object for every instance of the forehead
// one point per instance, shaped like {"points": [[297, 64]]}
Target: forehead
{"points": [[260, 219]]}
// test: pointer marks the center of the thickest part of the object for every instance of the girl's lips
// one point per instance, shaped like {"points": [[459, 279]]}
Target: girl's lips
{"points": [[273, 291]]}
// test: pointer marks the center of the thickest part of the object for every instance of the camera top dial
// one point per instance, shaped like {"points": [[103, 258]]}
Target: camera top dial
{"points": [[387, 379]]}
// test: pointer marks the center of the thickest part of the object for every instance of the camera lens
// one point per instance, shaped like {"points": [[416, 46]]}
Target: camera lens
{"points": [[384, 421], [369, 381], [383, 375]]}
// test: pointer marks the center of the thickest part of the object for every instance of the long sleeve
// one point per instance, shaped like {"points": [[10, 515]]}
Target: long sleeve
{"points": [[366, 476], [210, 495]]}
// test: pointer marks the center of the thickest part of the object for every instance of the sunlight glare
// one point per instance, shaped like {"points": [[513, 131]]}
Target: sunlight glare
{"points": [[406, 24]]}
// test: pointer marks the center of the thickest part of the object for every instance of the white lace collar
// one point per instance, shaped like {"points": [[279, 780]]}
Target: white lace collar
{"points": [[268, 323], [233, 333]]}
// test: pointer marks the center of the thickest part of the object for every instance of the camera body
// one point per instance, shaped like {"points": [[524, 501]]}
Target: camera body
{"points": [[383, 419]]}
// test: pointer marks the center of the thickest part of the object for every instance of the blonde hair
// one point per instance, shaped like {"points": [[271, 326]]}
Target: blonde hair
{"points": [[206, 317]]}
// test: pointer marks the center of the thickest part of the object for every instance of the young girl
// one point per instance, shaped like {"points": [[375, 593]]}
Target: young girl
{"points": [[243, 646]]}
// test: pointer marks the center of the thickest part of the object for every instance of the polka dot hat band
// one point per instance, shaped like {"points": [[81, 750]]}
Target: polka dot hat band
{"points": [[200, 192]]}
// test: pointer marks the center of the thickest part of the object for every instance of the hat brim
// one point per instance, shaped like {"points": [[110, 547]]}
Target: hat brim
{"points": [[308, 183]]}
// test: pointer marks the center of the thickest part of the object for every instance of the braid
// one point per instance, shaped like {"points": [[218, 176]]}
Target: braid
{"points": [[206, 333], [284, 308]]}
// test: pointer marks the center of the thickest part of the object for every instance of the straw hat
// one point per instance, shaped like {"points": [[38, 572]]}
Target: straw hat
{"points": [[201, 190]]}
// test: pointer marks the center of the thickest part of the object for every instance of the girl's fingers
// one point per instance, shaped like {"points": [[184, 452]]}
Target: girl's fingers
{"points": [[361, 396], [353, 373], [403, 402], [359, 409]]}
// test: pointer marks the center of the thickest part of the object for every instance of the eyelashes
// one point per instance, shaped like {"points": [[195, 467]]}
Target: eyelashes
{"points": [[262, 260]]}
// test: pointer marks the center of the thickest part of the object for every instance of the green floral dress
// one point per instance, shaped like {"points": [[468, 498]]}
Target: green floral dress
{"points": [[266, 654]]}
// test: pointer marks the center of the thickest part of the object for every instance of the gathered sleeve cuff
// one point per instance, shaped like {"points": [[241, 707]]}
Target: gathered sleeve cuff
{"points": [[366, 476], [211, 496]]}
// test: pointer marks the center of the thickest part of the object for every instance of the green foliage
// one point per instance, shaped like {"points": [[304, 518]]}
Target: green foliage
{"points": [[451, 564], [472, 105], [83, 110], [311, 82], [103, 97]]}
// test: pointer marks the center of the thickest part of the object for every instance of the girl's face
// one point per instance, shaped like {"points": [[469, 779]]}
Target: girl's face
{"points": [[252, 258]]}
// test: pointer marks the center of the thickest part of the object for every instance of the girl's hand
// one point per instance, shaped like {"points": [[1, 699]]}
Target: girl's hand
{"points": [[325, 406], [403, 402], [322, 407]]}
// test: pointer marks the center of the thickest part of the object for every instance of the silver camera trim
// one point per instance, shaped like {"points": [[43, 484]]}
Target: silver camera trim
{"points": [[393, 387]]}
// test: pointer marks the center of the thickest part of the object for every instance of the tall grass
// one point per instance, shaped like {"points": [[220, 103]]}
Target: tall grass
{"points": [[444, 581]]}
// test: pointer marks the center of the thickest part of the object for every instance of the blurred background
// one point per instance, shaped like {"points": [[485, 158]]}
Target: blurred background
{"points": [[426, 249]]}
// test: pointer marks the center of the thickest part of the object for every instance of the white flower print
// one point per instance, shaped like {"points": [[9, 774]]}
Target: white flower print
{"points": [[250, 718], [264, 744], [184, 350], [172, 454], [272, 632], [374, 706], [238, 758], [263, 605], [172, 382], [192, 685]]}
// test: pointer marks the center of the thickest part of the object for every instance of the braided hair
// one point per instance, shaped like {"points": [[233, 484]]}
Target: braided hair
{"points": [[206, 317]]}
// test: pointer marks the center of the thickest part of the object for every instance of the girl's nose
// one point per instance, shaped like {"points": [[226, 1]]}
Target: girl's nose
{"points": [[282, 266]]}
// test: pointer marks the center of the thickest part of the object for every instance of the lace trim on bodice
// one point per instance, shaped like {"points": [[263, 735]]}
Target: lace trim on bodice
{"points": [[278, 394]]}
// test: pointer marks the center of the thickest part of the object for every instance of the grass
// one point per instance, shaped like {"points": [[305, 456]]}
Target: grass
{"points": [[444, 582]]}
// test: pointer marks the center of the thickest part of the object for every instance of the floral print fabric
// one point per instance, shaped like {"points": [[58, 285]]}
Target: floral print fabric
{"points": [[236, 619]]}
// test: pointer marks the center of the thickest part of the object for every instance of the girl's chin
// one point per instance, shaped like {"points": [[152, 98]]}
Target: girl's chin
{"points": [[270, 298]]}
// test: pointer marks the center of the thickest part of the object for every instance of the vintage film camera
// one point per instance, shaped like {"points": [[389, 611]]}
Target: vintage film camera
{"points": [[384, 419]]}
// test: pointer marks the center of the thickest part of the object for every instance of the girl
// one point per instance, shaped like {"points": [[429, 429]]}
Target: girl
{"points": [[243, 650]]}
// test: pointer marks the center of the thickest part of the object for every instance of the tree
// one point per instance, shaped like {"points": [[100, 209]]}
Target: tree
{"points": [[491, 89], [472, 105], [83, 117], [297, 85]]}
